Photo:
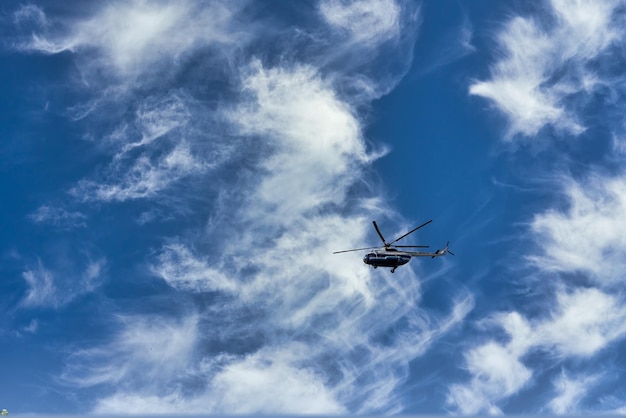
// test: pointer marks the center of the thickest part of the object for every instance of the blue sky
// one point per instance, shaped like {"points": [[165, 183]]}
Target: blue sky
{"points": [[176, 176]]}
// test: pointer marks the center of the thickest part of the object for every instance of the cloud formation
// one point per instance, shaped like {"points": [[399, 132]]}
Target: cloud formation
{"points": [[544, 66], [58, 217], [550, 68], [570, 392], [590, 235], [367, 22], [584, 322], [54, 289], [130, 37], [273, 148]]}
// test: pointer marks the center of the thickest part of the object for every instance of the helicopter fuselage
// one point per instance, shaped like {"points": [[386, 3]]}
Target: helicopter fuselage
{"points": [[386, 258]]}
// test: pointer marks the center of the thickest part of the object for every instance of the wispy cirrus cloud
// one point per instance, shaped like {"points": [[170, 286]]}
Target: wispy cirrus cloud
{"points": [[49, 288], [364, 21], [549, 69], [583, 322], [592, 221], [130, 37], [544, 65], [30, 13], [183, 270], [41, 288], [145, 177], [275, 147], [147, 351], [58, 217], [570, 391], [330, 305], [119, 48]]}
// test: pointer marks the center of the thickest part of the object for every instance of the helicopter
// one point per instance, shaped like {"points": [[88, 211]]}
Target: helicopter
{"points": [[391, 256]]}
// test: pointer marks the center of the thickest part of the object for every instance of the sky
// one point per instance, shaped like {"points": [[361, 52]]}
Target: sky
{"points": [[175, 176]]}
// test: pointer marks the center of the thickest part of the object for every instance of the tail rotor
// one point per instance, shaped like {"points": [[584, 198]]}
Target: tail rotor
{"points": [[444, 251]]}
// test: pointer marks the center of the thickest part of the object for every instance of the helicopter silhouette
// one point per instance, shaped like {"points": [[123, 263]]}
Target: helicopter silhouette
{"points": [[391, 256]]}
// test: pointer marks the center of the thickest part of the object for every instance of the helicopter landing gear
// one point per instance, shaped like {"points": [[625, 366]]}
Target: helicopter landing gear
{"points": [[393, 269]]}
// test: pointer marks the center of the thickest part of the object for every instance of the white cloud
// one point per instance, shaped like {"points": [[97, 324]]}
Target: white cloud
{"points": [[315, 139], [583, 322], [183, 270], [144, 179], [30, 13], [54, 289], [131, 37], [318, 376], [156, 118], [589, 236], [365, 21], [59, 217], [279, 263], [496, 369], [267, 382], [274, 381], [296, 329], [153, 149], [41, 288], [586, 321], [146, 352], [526, 83], [569, 393]]}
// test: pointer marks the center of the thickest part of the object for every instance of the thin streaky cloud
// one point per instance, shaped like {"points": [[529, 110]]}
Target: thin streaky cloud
{"points": [[289, 138], [453, 47], [58, 217], [30, 13], [54, 288], [365, 21], [145, 178], [41, 288]]}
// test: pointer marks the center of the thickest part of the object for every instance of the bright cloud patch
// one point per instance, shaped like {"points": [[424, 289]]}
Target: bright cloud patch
{"points": [[316, 137], [590, 235], [544, 65], [366, 21], [146, 351], [569, 393], [583, 322], [274, 381], [131, 36]]}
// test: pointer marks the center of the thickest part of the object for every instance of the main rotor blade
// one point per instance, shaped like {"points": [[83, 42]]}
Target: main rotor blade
{"points": [[355, 249], [412, 246], [410, 232], [379, 234]]}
